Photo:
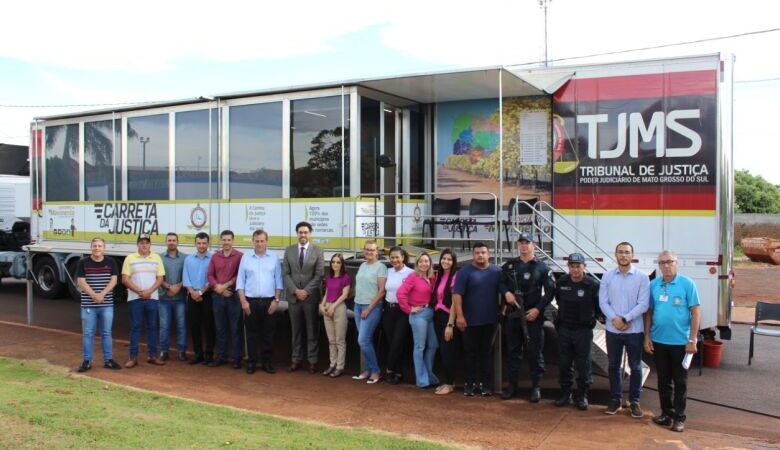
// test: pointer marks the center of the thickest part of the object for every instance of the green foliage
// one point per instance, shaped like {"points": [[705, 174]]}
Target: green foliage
{"points": [[755, 195]]}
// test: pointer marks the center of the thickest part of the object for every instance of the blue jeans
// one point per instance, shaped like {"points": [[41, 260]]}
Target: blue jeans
{"points": [[90, 317], [633, 343], [425, 345], [143, 311], [366, 330], [177, 309], [227, 318]]}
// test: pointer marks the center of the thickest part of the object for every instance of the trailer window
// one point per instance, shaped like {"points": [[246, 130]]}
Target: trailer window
{"points": [[369, 145], [193, 154], [316, 147], [102, 160], [62, 163], [147, 158], [256, 151]]}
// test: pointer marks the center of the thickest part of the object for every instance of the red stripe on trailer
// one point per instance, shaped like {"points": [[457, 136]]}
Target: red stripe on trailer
{"points": [[704, 201], [657, 85]]}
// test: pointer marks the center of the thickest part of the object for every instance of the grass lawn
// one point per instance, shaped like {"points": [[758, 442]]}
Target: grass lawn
{"points": [[45, 407]]}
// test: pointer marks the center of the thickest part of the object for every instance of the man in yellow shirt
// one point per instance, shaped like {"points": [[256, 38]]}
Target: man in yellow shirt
{"points": [[142, 274]]}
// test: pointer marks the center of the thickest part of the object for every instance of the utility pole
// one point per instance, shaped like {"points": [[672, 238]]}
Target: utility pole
{"points": [[544, 4]]}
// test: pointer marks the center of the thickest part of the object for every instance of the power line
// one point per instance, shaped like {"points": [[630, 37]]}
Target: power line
{"points": [[655, 47], [759, 80], [569, 58]]}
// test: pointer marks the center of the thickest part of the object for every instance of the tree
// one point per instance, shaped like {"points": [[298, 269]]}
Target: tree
{"points": [[754, 194]]}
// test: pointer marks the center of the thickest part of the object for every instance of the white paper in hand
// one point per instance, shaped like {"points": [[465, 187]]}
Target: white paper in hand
{"points": [[686, 362]]}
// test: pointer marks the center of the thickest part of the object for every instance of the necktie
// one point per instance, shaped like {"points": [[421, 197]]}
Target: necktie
{"points": [[300, 256]]}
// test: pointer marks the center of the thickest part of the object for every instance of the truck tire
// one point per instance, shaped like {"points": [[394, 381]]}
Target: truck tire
{"points": [[49, 284], [73, 290]]}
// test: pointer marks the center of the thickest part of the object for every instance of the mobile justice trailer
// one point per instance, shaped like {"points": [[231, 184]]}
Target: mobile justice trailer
{"points": [[587, 155]]}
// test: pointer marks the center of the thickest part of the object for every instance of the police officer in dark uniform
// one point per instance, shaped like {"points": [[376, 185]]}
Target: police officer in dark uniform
{"points": [[531, 280], [577, 296]]}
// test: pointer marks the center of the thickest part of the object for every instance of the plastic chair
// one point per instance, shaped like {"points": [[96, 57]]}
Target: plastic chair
{"points": [[764, 311], [445, 212], [480, 207]]}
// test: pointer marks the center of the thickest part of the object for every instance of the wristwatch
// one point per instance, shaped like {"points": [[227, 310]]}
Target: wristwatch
{"points": [[450, 325], [199, 292], [276, 300], [624, 320]]}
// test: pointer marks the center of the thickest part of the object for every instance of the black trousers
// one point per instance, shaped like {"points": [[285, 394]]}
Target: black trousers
{"points": [[260, 326], [201, 319], [516, 348], [395, 325], [449, 351], [672, 379], [575, 347], [478, 346]]}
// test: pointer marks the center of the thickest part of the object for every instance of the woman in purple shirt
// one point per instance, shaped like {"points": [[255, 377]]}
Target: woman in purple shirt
{"points": [[415, 298], [334, 313]]}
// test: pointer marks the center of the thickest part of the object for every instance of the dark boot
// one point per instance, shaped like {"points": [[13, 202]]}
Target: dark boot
{"points": [[510, 390], [564, 399], [582, 400], [536, 392]]}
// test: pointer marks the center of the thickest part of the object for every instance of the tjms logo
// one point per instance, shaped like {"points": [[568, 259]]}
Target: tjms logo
{"points": [[657, 127]]}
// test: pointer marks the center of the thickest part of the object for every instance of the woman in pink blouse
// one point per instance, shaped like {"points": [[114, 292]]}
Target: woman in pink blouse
{"points": [[444, 319], [334, 313], [414, 298]]}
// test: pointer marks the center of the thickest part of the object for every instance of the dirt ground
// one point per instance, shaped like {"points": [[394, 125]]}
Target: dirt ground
{"points": [[756, 281]]}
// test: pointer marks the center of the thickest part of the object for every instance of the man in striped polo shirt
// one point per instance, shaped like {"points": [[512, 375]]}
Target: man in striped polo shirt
{"points": [[96, 277], [142, 274]]}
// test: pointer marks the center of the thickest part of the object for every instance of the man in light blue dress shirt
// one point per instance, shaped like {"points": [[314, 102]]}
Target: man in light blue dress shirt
{"points": [[260, 286], [624, 298]]}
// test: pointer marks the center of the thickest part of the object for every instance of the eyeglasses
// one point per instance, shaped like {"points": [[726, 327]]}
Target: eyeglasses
{"points": [[667, 262]]}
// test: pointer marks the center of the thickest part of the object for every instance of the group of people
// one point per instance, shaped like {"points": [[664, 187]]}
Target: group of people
{"points": [[231, 297]]}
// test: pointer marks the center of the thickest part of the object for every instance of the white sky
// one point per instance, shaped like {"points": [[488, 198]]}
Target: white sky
{"points": [[98, 52]]}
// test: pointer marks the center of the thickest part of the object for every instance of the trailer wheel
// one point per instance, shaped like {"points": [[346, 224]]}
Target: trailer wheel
{"points": [[49, 284], [73, 290]]}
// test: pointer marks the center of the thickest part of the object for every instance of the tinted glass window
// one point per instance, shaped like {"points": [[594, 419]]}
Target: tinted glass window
{"points": [[147, 158], [62, 163], [316, 150], [102, 157], [193, 155], [369, 146], [256, 151]]}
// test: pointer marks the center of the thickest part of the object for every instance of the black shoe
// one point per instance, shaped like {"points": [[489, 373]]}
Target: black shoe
{"points": [[217, 362], [613, 407], [468, 389], [268, 368], [111, 364], [236, 364], [390, 377], [564, 399], [250, 368], [536, 394], [198, 360], [663, 420], [484, 390], [678, 426], [636, 411], [582, 401], [508, 392], [182, 356], [85, 365], [164, 356], [208, 360]]}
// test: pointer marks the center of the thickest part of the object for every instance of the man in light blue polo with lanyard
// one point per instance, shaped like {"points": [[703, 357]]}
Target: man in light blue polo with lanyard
{"points": [[623, 298], [671, 328]]}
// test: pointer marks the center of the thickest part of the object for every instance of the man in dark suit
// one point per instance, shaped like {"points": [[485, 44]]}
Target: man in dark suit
{"points": [[303, 269]]}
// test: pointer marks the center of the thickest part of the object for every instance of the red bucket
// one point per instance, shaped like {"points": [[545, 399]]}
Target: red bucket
{"points": [[713, 351]]}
